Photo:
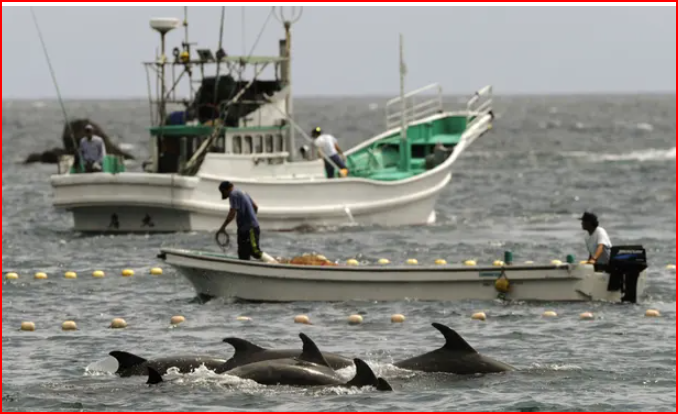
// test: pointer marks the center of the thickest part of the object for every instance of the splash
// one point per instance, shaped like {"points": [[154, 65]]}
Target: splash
{"points": [[648, 155]]}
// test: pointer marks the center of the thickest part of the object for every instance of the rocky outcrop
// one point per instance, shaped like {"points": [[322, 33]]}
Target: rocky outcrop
{"points": [[78, 126], [48, 157]]}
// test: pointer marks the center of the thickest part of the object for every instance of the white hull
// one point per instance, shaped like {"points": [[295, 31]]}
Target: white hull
{"points": [[215, 275], [170, 203], [290, 195]]}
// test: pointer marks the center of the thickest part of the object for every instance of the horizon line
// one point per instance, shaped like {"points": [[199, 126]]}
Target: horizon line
{"points": [[381, 95]]}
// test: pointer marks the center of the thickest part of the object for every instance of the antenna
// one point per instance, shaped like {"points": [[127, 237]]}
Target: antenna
{"points": [[163, 25]]}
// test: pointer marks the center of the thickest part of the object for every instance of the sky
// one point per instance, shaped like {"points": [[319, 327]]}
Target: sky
{"points": [[97, 51]]}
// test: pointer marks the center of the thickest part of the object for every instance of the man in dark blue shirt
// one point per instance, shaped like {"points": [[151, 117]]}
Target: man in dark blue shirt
{"points": [[244, 210]]}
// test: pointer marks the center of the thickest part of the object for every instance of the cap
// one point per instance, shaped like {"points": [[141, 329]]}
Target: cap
{"points": [[589, 217], [89, 127], [316, 130], [225, 185]]}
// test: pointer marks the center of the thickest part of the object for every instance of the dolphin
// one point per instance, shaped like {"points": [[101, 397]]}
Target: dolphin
{"points": [[131, 365], [310, 369], [456, 357], [247, 353]]}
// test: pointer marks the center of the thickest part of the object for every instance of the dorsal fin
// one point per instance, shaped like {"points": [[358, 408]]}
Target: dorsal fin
{"points": [[383, 385], [364, 376], [126, 360], [453, 341], [243, 347], [311, 353], [154, 377]]}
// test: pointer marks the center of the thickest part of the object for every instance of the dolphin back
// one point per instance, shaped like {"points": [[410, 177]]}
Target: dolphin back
{"points": [[365, 377]]}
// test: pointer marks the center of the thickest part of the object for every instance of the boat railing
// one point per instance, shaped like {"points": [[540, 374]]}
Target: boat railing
{"points": [[418, 105], [480, 104]]}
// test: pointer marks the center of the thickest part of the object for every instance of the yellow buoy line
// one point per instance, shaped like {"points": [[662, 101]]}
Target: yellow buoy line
{"points": [[97, 274], [157, 271], [352, 320]]}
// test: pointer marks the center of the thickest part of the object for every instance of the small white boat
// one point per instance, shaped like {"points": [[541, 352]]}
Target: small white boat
{"points": [[217, 275], [394, 178]]}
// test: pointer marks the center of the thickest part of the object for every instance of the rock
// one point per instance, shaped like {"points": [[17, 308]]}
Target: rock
{"points": [[78, 127], [52, 156], [48, 157]]}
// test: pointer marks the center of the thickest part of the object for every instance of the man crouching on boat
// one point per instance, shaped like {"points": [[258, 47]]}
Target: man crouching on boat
{"points": [[244, 210]]}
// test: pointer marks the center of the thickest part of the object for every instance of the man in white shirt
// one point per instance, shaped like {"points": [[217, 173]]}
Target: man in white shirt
{"points": [[598, 243], [329, 146], [92, 150]]}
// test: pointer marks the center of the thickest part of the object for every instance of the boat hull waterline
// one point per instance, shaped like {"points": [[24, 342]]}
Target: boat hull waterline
{"points": [[214, 275]]}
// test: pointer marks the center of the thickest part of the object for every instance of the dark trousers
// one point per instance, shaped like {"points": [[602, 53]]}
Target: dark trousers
{"points": [[248, 244], [329, 169]]}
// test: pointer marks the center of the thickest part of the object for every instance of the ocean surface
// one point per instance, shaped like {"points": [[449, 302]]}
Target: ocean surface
{"points": [[519, 188]]}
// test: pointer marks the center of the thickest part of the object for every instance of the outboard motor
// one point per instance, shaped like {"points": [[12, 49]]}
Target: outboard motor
{"points": [[626, 264]]}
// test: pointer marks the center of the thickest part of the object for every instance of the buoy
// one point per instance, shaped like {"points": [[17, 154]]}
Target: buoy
{"points": [[355, 320], [98, 274], [127, 273], [41, 276], [556, 262], [529, 262], [70, 275], [12, 276], [549, 314], [397, 318], [441, 262], [118, 323], [176, 320], [27, 326], [352, 262], [652, 313], [156, 271], [479, 316], [302, 319], [671, 267], [243, 319], [502, 284], [412, 261], [498, 263], [471, 263], [384, 261], [69, 326], [586, 316]]}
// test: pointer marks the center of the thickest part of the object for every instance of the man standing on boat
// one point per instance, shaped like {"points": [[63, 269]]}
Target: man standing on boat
{"points": [[598, 243], [92, 150], [244, 210], [329, 147]]}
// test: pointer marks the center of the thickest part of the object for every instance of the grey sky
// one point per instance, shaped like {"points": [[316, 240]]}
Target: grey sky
{"points": [[97, 51]]}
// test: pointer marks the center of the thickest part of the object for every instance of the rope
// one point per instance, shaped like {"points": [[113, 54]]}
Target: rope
{"points": [[305, 135], [56, 85], [221, 43]]}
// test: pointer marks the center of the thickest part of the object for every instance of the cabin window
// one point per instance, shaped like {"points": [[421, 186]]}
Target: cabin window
{"points": [[247, 146], [258, 145], [280, 143], [218, 146], [269, 144], [237, 144]]}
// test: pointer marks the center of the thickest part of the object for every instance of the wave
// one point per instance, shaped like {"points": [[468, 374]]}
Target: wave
{"points": [[651, 154]]}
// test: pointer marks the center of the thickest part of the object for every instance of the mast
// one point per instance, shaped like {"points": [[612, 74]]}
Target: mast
{"points": [[286, 72], [405, 149]]}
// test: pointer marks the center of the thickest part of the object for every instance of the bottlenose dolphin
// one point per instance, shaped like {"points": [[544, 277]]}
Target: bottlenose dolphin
{"points": [[456, 357], [309, 369], [130, 365], [247, 353]]}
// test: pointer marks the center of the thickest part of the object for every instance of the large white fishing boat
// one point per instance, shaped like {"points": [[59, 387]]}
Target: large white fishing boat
{"points": [[243, 131]]}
